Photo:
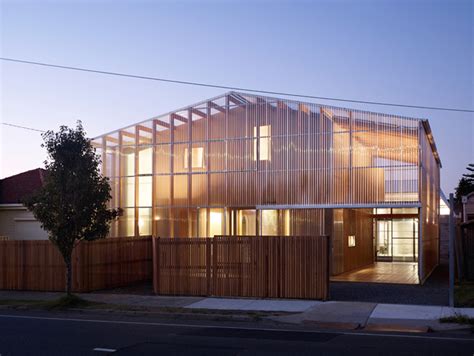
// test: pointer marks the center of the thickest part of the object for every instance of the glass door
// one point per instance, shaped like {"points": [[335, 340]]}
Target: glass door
{"points": [[405, 239], [397, 240], [384, 240]]}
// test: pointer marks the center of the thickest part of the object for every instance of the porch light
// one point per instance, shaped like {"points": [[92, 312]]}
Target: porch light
{"points": [[351, 241]]}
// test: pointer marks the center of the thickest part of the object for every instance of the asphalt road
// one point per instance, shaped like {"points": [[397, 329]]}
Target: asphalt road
{"points": [[41, 333]]}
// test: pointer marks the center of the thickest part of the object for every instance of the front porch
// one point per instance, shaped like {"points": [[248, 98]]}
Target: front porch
{"points": [[382, 272]]}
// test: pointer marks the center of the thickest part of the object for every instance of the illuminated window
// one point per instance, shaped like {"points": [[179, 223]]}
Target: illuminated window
{"points": [[215, 223], [265, 143], [351, 241], [269, 222], [197, 157]]}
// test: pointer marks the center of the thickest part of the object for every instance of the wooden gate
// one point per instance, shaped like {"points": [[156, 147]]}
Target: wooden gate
{"points": [[243, 266]]}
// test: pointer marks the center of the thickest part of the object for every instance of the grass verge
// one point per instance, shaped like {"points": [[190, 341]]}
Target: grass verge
{"points": [[458, 319], [65, 302], [75, 302], [464, 295], [69, 301]]}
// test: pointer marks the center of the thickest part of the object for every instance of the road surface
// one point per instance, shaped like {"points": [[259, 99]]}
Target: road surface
{"points": [[73, 333]]}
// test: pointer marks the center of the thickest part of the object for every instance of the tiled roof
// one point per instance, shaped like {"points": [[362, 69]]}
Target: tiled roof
{"points": [[13, 189]]}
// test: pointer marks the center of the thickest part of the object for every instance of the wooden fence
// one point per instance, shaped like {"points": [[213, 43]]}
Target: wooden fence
{"points": [[466, 251], [244, 266], [108, 263]]}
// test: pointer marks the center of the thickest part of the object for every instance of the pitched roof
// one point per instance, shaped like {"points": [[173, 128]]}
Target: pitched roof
{"points": [[13, 189], [241, 98]]}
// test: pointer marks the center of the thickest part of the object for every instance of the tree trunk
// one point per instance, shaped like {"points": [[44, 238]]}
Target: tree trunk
{"points": [[68, 277]]}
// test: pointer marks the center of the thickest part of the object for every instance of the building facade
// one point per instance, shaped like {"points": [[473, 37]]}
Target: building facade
{"points": [[242, 164], [16, 221]]}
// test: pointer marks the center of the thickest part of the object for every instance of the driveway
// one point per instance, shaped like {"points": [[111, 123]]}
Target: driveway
{"points": [[433, 292]]}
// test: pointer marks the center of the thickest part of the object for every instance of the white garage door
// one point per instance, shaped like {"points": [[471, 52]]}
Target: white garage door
{"points": [[26, 229]]}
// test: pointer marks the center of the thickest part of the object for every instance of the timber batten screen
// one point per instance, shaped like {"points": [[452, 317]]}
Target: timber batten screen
{"points": [[172, 172], [245, 266]]}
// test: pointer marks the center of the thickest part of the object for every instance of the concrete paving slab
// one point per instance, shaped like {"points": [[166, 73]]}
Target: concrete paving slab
{"points": [[220, 304], [347, 312], [329, 312], [281, 305], [448, 311], [401, 311], [465, 311], [254, 304]]}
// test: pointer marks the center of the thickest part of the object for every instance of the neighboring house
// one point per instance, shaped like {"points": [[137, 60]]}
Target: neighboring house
{"points": [[16, 222], [242, 164], [468, 207]]}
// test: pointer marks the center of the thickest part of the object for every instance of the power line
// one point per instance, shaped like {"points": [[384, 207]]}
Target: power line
{"points": [[226, 87], [22, 127]]}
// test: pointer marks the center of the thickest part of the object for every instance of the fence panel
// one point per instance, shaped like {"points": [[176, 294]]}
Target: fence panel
{"points": [[108, 263], [181, 266], [466, 253], [244, 266], [113, 263]]}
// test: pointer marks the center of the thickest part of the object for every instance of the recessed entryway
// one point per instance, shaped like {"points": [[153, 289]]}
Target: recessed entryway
{"points": [[396, 239]]}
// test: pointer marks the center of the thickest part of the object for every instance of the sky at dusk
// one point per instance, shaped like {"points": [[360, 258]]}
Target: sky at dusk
{"points": [[413, 52]]}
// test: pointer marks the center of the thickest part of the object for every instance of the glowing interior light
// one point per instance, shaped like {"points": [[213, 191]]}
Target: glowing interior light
{"points": [[215, 223], [265, 143], [351, 241], [197, 157]]}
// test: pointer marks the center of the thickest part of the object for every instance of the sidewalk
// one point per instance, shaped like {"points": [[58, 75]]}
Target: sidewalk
{"points": [[331, 314]]}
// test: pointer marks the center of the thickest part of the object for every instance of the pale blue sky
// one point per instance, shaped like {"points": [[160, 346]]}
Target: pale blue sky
{"points": [[416, 52]]}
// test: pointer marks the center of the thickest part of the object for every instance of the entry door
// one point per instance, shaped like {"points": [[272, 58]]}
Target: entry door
{"points": [[397, 240], [405, 239]]}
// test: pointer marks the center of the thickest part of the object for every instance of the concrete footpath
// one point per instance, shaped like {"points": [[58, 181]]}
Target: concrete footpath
{"points": [[345, 315], [330, 314]]}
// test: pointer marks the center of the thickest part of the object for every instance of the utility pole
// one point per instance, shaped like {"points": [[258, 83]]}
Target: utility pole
{"points": [[452, 232]]}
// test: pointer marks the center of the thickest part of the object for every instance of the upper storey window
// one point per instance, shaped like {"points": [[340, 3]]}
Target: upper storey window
{"points": [[197, 157], [265, 142]]}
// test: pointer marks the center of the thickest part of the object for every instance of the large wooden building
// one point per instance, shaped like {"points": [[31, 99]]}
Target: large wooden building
{"points": [[242, 164]]}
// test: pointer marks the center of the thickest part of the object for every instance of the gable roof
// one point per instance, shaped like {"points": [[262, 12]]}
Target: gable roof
{"points": [[14, 188], [241, 98]]}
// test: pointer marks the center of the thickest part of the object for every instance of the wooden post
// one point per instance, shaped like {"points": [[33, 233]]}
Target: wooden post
{"points": [[156, 265], [214, 266], [327, 248], [137, 180], [153, 180], [208, 265], [452, 233]]}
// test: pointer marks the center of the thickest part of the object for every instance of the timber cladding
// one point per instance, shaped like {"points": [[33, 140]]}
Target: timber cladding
{"points": [[244, 266], [108, 263]]}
